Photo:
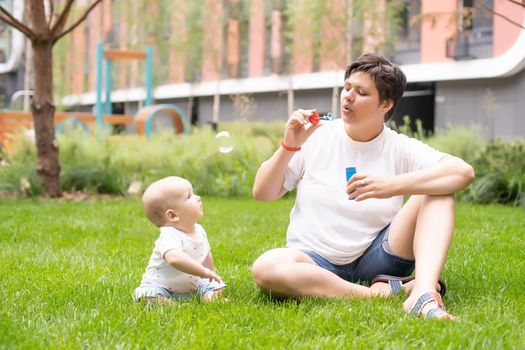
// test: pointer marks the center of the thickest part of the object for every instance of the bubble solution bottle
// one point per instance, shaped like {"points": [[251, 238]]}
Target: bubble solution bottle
{"points": [[350, 171]]}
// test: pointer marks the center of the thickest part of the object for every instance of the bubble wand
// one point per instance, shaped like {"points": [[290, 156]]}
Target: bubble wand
{"points": [[315, 118]]}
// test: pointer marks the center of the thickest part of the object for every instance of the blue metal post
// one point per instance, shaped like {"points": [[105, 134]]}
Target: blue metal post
{"points": [[149, 77], [107, 102], [98, 103]]}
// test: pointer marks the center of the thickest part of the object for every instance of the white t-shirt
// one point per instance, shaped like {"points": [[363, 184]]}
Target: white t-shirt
{"points": [[160, 273], [323, 219]]}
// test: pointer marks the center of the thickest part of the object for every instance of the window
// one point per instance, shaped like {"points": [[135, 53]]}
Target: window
{"points": [[477, 21], [408, 33], [474, 36]]}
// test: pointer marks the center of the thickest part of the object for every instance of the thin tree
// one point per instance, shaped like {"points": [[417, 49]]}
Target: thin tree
{"points": [[497, 14], [467, 12], [43, 29]]}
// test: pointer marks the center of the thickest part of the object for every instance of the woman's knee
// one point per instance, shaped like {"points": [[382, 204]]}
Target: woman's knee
{"points": [[263, 269], [268, 269], [447, 200]]}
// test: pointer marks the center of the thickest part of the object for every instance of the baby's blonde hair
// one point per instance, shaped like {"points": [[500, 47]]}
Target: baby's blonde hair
{"points": [[160, 196]]}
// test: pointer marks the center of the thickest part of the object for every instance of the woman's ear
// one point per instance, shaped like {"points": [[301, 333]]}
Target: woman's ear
{"points": [[172, 216], [387, 105]]}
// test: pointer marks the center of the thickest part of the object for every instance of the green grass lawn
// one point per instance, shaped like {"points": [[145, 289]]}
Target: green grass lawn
{"points": [[68, 270]]}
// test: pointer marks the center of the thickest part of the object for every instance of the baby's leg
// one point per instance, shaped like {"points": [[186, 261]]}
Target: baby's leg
{"points": [[152, 294], [159, 300]]}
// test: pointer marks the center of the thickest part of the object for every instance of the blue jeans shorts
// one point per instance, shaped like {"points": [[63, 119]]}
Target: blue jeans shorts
{"points": [[376, 260], [148, 290]]}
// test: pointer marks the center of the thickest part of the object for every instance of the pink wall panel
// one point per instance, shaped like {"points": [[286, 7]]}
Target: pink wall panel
{"points": [[177, 59], [434, 33], [79, 57], [506, 33], [256, 39], [212, 40], [95, 35], [334, 46]]}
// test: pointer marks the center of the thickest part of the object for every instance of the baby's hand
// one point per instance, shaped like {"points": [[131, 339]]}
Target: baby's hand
{"points": [[211, 275]]}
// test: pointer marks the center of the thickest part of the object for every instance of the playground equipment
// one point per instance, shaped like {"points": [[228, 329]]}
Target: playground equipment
{"points": [[144, 118], [141, 123]]}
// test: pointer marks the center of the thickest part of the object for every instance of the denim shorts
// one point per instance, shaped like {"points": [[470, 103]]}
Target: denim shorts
{"points": [[148, 290], [376, 260]]}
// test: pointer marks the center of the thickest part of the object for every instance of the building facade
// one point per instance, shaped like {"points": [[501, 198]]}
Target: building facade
{"points": [[12, 63], [225, 60]]}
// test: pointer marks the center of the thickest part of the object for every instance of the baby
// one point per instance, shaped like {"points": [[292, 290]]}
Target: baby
{"points": [[181, 263]]}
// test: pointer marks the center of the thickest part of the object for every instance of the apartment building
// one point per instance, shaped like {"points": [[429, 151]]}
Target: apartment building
{"points": [[258, 59]]}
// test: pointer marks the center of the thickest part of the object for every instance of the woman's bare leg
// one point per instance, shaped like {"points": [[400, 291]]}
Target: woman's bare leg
{"points": [[423, 230], [291, 273]]}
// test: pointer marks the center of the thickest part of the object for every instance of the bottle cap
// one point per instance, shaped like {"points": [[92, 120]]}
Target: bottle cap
{"points": [[314, 118]]}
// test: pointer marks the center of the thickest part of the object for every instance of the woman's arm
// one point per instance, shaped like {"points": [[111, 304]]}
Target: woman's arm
{"points": [[269, 180], [268, 184], [448, 176]]}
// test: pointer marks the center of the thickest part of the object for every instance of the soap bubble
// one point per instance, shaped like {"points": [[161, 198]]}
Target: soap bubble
{"points": [[224, 142]]}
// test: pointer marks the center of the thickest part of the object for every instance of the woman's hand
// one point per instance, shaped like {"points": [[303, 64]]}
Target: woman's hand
{"points": [[364, 186], [296, 131]]}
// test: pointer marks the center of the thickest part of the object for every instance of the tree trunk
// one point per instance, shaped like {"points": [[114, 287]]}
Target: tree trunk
{"points": [[43, 108]]}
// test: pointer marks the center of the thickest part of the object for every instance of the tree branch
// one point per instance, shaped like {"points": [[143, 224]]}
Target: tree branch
{"points": [[80, 20], [62, 18], [519, 3], [6, 17], [488, 9], [51, 13]]}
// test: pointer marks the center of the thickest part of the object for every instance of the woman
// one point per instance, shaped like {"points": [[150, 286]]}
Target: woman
{"points": [[344, 231]]}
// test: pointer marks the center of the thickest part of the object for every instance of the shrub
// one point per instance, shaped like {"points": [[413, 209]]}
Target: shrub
{"points": [[464, 142], [110, 163], [414, 130], [17, 167], [460, 141], [499, 166], [500, 174], [19, 178]]}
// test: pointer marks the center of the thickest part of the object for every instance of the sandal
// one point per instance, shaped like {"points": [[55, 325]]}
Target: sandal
{"points": [[396, 283], [437, 312]]}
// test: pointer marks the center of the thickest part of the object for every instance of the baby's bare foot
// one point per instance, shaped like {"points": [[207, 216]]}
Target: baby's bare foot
{"points": [[212, 295]]}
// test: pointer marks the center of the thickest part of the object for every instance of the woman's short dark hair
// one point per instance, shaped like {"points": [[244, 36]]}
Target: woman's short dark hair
{"points": [[389, 79]]}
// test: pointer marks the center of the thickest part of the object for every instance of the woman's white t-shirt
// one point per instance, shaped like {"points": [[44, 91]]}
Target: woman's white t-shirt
{"points": [[323, 219]]}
